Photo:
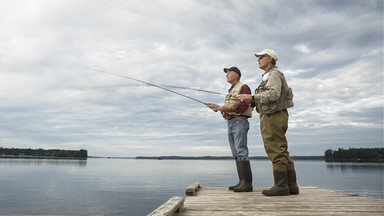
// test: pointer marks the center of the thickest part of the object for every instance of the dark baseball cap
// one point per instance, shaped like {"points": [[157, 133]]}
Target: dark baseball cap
{"points": [[234, 69]]}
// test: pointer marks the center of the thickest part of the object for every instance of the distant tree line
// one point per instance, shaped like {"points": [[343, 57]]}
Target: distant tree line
{"points": [[355, 155], [43, 153]]}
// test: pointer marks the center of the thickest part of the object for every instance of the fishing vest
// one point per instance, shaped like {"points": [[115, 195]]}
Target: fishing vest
{"points": [[231, 99], [285, 100]]}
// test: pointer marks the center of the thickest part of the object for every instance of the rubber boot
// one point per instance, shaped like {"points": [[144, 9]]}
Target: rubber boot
{"points": [[293, 188], [240, 177], [281, 185], [246, 176]]}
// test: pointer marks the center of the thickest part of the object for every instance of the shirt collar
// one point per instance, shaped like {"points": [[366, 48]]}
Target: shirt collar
{"points": [[272, 67], [233, 86]]}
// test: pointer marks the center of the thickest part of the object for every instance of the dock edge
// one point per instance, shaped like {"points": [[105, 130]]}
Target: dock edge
{"points": [[172, 207]]}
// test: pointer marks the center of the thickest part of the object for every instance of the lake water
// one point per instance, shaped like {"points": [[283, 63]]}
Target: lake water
{"points": [[137, 187]]}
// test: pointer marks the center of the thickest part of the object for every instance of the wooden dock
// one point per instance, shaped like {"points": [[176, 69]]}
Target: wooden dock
{"points": [[219, 201]]}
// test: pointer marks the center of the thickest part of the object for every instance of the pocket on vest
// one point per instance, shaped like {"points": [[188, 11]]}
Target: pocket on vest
{"points": [[267, 108]]}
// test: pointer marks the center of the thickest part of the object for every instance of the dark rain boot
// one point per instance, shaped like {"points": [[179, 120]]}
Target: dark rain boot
{"points": [[281, 185], [246, 175], [292, 185], [240, 177]]}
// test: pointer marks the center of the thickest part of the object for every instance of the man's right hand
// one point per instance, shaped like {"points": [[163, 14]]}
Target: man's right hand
{"points": [[213, 106]]}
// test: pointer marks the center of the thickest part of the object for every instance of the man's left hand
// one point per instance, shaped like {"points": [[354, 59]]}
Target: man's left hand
{"points": [[245, 98], [225, 108]]}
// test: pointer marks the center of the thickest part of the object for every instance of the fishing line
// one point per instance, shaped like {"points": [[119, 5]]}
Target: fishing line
{"points": [[166, 86], [150, 84]]}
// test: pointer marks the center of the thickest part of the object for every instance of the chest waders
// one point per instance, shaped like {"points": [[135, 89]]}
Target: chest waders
{"points": [[273, 126]]}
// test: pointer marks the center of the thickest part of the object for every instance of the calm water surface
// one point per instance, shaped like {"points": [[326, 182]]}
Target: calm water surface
{"points": [[137, 187]]}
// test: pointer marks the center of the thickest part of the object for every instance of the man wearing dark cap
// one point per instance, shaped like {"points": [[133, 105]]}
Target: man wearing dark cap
{"points": [[237, 113], [272, 99]]}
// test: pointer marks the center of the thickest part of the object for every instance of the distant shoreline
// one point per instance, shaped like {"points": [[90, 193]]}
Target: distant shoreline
{"points": [[317, 158], [309, 158], [222, 158], [204, 157]]}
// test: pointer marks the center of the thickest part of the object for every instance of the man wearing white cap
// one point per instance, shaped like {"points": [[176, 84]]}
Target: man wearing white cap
{"points": [[272, 98]]}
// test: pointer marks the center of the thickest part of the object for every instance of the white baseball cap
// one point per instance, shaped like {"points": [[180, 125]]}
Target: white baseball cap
{"points": [[269, 52]]}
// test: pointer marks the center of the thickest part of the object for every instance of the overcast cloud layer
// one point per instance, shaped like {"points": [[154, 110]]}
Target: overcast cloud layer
{"points": [[331, 53]]}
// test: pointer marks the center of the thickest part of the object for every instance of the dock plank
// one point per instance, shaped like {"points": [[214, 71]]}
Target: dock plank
{"points": [[310, 201], [172, 207]]}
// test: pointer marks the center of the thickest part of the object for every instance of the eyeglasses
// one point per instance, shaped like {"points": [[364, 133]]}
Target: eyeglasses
{"points": [[261, 57]]}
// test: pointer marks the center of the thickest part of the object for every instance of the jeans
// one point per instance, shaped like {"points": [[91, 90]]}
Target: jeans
{"points": [[237, 136]]}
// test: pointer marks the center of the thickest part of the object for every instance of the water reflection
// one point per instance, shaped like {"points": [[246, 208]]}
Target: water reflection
{"points": [[44, 162], [137, 187], [355, 167]]}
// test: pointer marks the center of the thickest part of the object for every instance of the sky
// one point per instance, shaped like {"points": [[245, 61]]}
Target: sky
{"points": [[331, 52]]}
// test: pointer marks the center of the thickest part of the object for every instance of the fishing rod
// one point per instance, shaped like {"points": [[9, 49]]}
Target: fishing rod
{"points": [[150, 84], [194, 89]]}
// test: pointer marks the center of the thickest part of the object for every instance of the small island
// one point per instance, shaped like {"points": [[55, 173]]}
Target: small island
{"points": [[355, 155], [81, 154]]}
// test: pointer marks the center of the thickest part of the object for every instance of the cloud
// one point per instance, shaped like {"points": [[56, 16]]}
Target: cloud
{"points": [[330, 51]]}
